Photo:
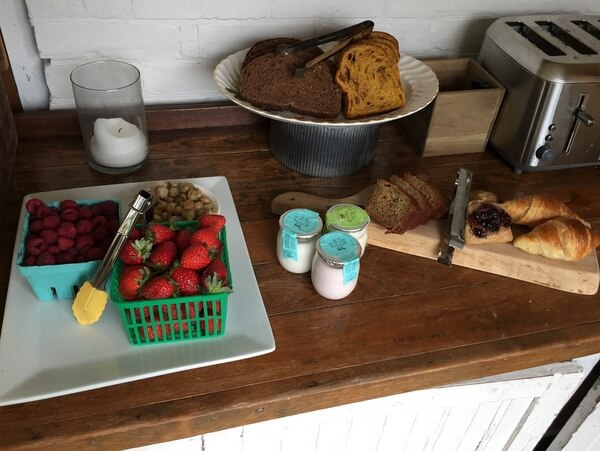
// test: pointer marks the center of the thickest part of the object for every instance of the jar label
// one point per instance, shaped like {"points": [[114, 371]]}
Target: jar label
{"points": [[302, 222], [289, 244], [347, 217], [350, 271]]}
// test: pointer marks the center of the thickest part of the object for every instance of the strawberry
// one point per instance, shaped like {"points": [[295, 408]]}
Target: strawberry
{"points": [[163, 255], [209, 238], [157, 233], [214, 278], [150, 332], [187, 280], [196, 256], [135, 252], [159, 287], [182, 240], [212, 221], [211, 326], [132, 278]]}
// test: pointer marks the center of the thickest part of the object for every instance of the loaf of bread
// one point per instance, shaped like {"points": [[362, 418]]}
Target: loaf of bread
{"points": [[403, 203], [369, 79], [560, 238], [268, 81], [487, 223], [535, 209]]}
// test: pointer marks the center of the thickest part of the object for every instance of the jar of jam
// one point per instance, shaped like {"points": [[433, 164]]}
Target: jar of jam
{"points": [[336, 264], [299, 230], [351, 219]]}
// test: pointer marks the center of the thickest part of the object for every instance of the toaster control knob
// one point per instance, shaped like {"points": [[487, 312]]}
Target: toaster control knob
{"points": [[545, 153]]}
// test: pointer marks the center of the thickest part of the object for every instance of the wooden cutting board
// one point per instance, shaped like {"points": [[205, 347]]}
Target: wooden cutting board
{"points": [[581, 277]]}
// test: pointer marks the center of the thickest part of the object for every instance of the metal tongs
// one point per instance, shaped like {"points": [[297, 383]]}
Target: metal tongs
{"points": [[345, 36], [457, 217]]}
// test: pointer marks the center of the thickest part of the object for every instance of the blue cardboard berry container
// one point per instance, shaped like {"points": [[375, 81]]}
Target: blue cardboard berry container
{"points": [[58, 282], [149, 322]]}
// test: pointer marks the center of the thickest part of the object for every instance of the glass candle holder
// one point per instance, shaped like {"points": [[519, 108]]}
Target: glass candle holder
{"points": [[110, 108]]}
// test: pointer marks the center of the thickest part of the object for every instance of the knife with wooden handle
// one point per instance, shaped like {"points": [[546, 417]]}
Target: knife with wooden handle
{"points": [[296, 199]]}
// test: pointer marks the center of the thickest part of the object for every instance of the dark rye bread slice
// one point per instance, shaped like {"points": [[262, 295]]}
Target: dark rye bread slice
{"points": [[268, 81], [392, 208], [434, 196], [266, 46]]}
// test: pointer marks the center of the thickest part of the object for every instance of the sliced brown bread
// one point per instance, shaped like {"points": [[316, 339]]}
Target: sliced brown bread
{"points": [[389, 39], [392, 208], [268, 81], [425, 208], [369, 79], [435, 197]]}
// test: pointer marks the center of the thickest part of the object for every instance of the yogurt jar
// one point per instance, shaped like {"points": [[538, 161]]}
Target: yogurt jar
{"points": [[299, 230], [336, 265], [351, 219]]}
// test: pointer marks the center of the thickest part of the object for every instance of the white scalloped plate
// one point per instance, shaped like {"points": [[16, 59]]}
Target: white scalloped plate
{"points": [[418, 80]]}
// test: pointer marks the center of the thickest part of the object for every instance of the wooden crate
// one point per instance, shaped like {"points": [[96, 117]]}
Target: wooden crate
{"points": [[461, 117]]}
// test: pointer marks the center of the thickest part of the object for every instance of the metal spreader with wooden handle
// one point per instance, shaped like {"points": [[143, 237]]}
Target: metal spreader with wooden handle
{"points": [[91, 297]]}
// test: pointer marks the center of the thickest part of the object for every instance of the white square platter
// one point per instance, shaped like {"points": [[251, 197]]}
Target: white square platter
{"points": [[45, 353]]}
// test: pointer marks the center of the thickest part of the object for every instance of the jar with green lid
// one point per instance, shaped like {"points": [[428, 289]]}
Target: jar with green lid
{"points": [[299, 230], [351, 219], [336, 265]]}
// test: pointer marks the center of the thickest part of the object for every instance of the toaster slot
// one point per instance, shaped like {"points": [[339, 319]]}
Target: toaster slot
{"points": [[579, 115], [566, 38], [535, 39], [588, 28]]}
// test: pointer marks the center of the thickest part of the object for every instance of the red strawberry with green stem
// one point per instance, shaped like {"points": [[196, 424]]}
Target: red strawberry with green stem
{"points": [[214, 278], [196, 257], [158, 233], [159, 287], [163, 255], [187, 280], [135, 252], [210, 239], [132, 278], [212, 221]]}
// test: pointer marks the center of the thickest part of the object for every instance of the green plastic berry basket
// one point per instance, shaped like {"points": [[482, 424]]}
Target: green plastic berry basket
{"points": [[58, 282], [149, 322]]}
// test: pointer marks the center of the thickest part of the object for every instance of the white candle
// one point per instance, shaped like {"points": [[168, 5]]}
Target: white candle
{"points": [[117, 143]]}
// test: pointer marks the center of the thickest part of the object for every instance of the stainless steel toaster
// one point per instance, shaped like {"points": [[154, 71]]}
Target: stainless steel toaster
{"points": [[550, 68]]}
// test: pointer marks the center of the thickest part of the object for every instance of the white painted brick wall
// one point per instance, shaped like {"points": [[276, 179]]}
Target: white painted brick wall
{"points": [[177, 43]]}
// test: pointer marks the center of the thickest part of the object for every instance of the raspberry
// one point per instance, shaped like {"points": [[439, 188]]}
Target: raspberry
{"points": [[70, 214], [29, 261], [85, 212], [79, 259], [53, 249], [64, 257], [45, 258], [105, 244], [35, 245], [50, 222], [83, 226], [35, 226], [67, 229], [73, 251], [109, 208], [49, 236], [33, 206], [99, 233], [64, 243], [52, 211], [98, 221], [83, 241], [96, 210], [95, 253], [67, 203], [112, 226]]}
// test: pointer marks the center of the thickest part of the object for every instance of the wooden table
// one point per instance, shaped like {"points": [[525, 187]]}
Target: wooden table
{"points": [[410, 324]]}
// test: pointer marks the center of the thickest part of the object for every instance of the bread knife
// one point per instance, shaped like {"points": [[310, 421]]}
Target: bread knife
{"points": [[454, 237]]}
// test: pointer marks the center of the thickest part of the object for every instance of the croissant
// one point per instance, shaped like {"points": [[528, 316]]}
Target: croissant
{"points": [[537, 208], [559, 238]]}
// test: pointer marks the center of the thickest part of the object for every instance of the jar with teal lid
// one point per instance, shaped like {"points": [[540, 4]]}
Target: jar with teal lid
{"points": [[299, 230], [351, 219], [336, 265]]}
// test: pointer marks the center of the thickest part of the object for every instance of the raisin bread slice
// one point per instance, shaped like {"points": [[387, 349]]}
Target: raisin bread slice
{"points": [[392, 208], [435, 197]]}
